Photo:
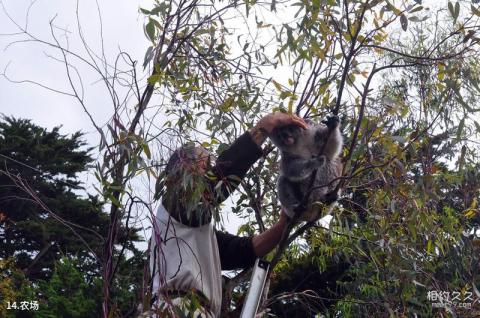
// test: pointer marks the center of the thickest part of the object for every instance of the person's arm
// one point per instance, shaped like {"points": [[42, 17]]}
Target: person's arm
{"points": [[241, 252], [235, 252], [232, 165], [265, 242]]}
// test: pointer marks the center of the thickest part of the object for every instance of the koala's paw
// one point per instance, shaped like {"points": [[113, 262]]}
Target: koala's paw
{"points": [[332, 122]]}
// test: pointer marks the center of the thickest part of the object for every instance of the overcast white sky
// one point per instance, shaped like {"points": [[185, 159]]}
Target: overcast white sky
{"points": [[122, 27]]}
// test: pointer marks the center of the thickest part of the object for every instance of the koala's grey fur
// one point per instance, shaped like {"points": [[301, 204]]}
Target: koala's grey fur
{"points": [[302, 151]]}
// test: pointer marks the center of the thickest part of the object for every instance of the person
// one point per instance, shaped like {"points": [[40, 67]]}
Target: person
{"points": [[186, 253]]}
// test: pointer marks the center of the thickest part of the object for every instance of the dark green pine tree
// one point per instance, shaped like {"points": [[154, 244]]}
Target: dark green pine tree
{"points": [[49, 163]]}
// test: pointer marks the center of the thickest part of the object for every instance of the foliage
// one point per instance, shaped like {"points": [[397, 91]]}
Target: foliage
{"points": [[41, 226], [14, 287], [67, 293], [49, 163]]}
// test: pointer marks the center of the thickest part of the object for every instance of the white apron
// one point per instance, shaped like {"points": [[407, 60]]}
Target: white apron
{"points": [[184, 258]]}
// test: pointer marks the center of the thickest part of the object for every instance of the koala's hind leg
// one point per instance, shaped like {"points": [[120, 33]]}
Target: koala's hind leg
{"points": [[287, 195]]}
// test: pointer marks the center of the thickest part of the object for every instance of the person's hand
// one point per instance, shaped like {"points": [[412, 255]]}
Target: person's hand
{"points": [[278, 119]]}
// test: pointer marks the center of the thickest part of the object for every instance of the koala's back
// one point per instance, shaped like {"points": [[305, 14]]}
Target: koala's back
{"points": [[326, 180]]}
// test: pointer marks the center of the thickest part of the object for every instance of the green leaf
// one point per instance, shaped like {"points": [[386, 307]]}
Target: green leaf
{"points": [[413, 230], [146, 150], [318, 50], [477, 126], [429, 246], [114, 201], [179, 311], [277, 85], [450, 8], [461, 126], [148, 56], [162, 7], [475, 11], [153, 79], [227, 105], [461, 159], [416, 9], [454, 11], [150, 30], [404, 22], [393, 8]]}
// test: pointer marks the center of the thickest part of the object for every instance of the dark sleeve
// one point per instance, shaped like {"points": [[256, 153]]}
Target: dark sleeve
{"points": [[235, 252], [232, 165]]}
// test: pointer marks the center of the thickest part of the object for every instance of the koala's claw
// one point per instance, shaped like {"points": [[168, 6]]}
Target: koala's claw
{"points": [[332, 121]]}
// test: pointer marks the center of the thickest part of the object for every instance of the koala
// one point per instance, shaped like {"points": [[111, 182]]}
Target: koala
{"points": [[302, 152]]}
